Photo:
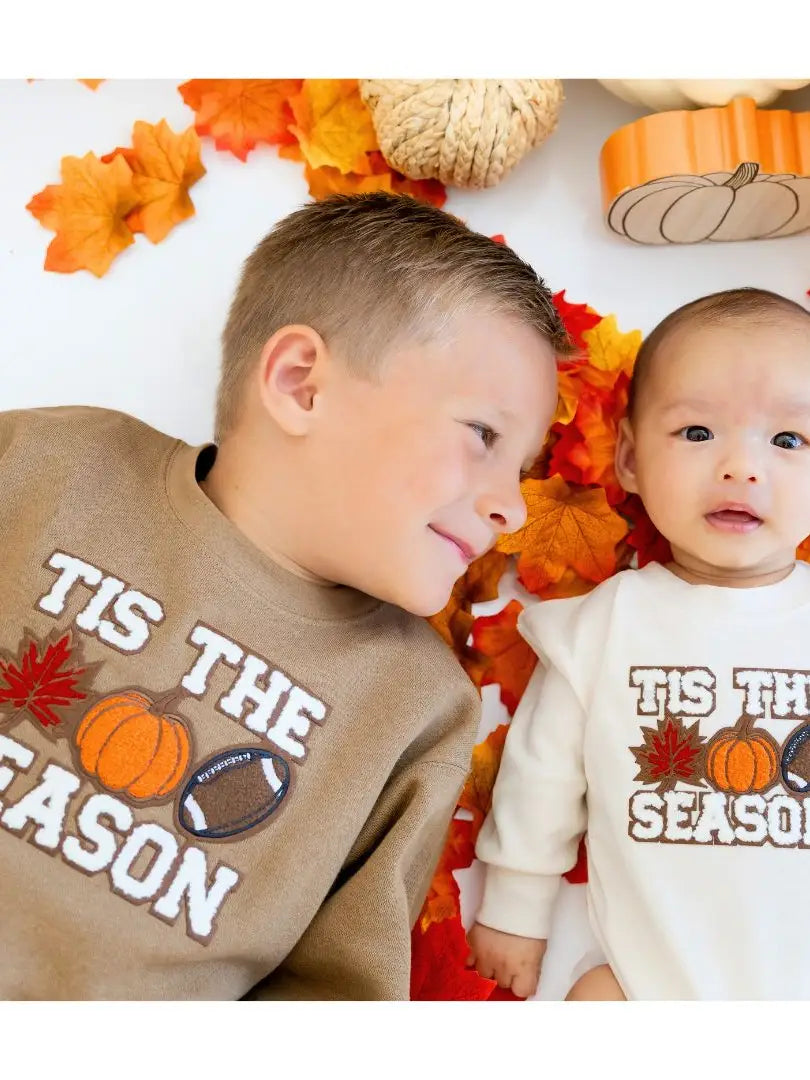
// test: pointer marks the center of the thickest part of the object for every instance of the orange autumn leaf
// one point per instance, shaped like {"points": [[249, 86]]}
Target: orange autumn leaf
{"points": [[87, 211], [609, 349], [570, 584], [239, 113], [566, 527], [512, 660], [568, 390], [479, 584], [164, 166], [92, 84], [803, 550], [327, 181], [476, 795], [333, 126]]}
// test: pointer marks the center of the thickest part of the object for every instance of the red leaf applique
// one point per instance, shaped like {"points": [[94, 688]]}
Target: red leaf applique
{"points": [[670, 752], [39, 681]]}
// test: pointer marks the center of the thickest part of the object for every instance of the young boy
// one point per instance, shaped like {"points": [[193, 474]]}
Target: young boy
{"points": [[230, 743], [671, 715]]}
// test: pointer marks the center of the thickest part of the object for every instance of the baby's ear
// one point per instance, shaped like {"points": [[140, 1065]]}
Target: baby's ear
{"points": [[625, 458], [289, 373]]}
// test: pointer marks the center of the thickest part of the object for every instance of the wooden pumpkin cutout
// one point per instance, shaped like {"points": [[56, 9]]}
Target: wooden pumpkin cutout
{"points": [[731, 173]]}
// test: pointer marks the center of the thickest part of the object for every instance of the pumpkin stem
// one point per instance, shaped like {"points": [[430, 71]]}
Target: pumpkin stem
{"points": [[161, 704], [745, 724], [744, 175]]}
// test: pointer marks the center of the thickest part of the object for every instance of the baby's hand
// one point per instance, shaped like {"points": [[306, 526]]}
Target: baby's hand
{"points": [[513, 961]]}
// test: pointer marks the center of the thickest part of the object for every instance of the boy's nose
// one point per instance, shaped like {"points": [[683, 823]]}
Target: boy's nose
{"points": [[733, 476], [504, 514]]}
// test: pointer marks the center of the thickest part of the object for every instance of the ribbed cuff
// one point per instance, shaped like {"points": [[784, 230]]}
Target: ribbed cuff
{"points": [[518, 903]]}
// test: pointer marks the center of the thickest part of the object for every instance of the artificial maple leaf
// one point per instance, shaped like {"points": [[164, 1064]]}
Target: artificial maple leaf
{"points": [[568, 389], [644, 538], [164, 166], [670, 752], [578, 874], [566, 527], [570, 584], [41, 678], [92, 84], [479, 584], [333, 125], [512, 660], [803, 550], [87, 211], [577, 318], [326, 181], [438, 965], [609, 349], [239, 113], [585, 450], [476, 795], [442, 900]]}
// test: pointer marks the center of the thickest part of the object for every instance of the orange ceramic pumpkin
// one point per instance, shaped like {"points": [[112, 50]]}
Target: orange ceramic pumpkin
{"points": [[131, 746], [741, 760], [731, 173]]}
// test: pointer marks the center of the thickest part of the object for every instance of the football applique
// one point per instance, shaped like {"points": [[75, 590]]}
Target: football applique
{"points": [[796, 761], [232, 792]]}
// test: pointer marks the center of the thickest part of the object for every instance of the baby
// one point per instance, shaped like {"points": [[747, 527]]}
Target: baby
{"points": [[670, 713]]}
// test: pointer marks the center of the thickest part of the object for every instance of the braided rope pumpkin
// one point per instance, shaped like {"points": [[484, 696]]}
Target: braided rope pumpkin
{"points": [[467, 133]]}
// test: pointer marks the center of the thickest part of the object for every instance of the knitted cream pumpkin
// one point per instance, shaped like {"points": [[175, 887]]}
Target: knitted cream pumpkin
{"points": [[660, 94], [465, 132], [734, 173]]}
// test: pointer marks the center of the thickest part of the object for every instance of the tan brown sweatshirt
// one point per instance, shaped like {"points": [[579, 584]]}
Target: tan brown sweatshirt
{"points": [[214, 776]]}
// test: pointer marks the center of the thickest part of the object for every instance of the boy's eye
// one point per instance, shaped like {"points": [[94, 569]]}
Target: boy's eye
{"points": [[788, 440], [485, 433], [696, 433]]}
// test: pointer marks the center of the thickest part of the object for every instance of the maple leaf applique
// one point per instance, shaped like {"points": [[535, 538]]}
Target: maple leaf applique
{"points": [[45, 676], [670, 752]]}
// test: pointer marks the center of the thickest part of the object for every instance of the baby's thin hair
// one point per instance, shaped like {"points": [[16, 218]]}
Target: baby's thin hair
{"points": [[367, 272], [746, 304]]}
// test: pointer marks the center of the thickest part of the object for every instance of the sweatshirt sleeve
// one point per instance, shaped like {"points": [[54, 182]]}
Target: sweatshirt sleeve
{"points": [[531, 834], [358, 946]]}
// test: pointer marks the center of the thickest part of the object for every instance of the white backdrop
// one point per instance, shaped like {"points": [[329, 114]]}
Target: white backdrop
{"points": [[145, 337]]}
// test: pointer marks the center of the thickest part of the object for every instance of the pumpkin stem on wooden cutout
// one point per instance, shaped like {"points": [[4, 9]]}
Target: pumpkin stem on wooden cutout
{"points": [[744, 174]]}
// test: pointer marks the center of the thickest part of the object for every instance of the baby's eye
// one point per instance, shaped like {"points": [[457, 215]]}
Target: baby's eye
{"points": [[487, 436], [788, 440], [696, 433]]}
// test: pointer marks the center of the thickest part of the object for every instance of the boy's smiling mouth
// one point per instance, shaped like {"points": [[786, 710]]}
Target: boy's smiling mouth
{"points": [[462, 547]]}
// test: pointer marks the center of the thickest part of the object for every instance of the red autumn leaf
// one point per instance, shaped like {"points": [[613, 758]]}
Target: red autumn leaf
{"points": [[239, 113], [644, 538], [438, 965], [578, 874], [512, 660], [441, 901], [577, 318], [38, 680], [670, 752]]}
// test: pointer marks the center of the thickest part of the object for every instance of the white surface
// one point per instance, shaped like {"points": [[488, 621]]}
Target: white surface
{"points": [[145, 338]]}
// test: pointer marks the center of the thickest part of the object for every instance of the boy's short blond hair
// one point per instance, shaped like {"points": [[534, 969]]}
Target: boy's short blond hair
{"points": [[744, 305], [368, 272]]}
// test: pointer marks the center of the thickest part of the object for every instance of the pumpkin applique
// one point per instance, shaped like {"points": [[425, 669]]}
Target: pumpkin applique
{"points": [[732, 173], [132, 745], [742, 760]]}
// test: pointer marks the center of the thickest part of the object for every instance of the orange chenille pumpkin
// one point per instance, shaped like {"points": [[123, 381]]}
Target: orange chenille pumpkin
{"points": [[741, 760], [732, 173], [128, 742]]}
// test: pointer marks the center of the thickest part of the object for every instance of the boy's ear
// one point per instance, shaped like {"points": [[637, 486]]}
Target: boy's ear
{"points": [[291, 370], [625, 458]]}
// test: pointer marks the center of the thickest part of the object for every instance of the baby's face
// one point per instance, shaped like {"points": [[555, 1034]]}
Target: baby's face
{"points": [[419, 472], [722, 445]]}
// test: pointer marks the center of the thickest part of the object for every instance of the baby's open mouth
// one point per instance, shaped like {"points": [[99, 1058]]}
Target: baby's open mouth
{"points": [[734, 519]]}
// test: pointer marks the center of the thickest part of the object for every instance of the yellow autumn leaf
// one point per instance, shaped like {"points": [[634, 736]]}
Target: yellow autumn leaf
{"points": [[333, 126], [609, 349]]}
